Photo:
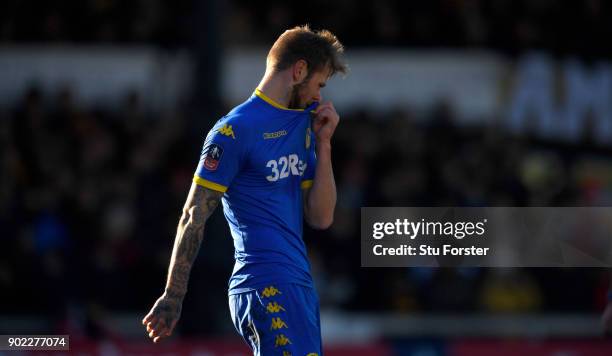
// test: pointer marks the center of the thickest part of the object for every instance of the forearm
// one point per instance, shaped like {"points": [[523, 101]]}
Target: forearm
{"points": [[164, 315], [322, 195], [186, 246], [190, 232]]}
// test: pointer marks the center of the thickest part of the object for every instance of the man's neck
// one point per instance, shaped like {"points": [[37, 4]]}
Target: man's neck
{"points": [[276, 88]]}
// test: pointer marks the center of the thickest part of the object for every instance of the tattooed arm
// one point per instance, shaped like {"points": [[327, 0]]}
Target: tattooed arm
{"points": [[164, 315]]}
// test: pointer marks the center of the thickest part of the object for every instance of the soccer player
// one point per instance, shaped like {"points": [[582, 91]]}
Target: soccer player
{"points": [[269, 162]]}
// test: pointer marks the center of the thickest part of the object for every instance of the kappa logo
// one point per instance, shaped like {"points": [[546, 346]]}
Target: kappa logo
{"points": [[227, 131], [278, 323], [274, 307], [270, 292], [281, 340], [271, 135], [213, 156]]}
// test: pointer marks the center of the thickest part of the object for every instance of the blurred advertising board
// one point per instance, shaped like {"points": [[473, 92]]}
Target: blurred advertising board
{"points": [[211, 347], [531, 348], [399, 347]]}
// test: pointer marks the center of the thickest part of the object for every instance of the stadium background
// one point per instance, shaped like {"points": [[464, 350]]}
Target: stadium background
{"points": [[104, 104]]}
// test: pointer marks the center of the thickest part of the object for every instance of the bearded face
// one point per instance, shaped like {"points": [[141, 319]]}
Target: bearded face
{"points": [[309, 90], [297, 100]]}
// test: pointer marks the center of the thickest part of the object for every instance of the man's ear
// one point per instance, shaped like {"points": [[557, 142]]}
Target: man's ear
{"points": [[300, 71]]}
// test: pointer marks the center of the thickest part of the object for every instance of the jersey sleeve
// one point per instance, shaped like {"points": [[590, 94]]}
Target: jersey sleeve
{"points": [[311, 164], [222, 156]]}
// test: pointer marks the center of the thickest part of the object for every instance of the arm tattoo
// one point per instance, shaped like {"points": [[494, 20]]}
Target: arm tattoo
{"points": [[199, 206]]}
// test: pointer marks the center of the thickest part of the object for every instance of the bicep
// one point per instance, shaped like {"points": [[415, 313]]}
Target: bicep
{"points": [[201, 201]]}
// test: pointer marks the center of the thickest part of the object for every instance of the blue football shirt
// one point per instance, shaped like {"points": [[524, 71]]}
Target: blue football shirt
{"points": [[261, 155]]}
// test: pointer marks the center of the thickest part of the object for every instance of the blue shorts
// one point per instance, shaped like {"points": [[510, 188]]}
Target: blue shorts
{"points": [[280, 319]]}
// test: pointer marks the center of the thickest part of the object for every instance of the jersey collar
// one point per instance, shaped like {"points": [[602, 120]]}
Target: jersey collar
{"points": [[271, 101]]}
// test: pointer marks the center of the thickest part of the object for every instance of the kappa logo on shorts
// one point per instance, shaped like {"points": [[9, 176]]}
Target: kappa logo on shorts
{"points": [[274, 307], [270, 292], [278, 323], [281, 340], [213, 156]]}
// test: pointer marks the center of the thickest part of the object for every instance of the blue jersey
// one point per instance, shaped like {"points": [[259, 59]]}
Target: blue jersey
{"points": [[261, 155]]}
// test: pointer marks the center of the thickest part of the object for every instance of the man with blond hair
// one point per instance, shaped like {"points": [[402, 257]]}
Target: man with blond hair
{"points": [[269, 162]]}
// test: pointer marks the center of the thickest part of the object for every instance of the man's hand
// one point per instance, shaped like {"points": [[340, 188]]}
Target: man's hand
{"points": [[325, 121], [606, 319], [162, 318], [320, 199]]}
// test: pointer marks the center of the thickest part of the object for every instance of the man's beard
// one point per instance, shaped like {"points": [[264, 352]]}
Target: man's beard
{"points": [[295, 101]]}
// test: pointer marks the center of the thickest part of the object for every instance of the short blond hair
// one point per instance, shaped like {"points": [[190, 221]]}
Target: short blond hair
{"points": [[319, 49]]}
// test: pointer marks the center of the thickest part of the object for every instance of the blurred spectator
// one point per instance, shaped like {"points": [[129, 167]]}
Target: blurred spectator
{"points": [[580, 27], [90, 198], [93, 197]]}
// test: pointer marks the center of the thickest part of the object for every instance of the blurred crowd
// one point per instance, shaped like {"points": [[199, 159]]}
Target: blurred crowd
{"points": [[158, 22], [558, 26], [90, 197], [90, 200]]}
